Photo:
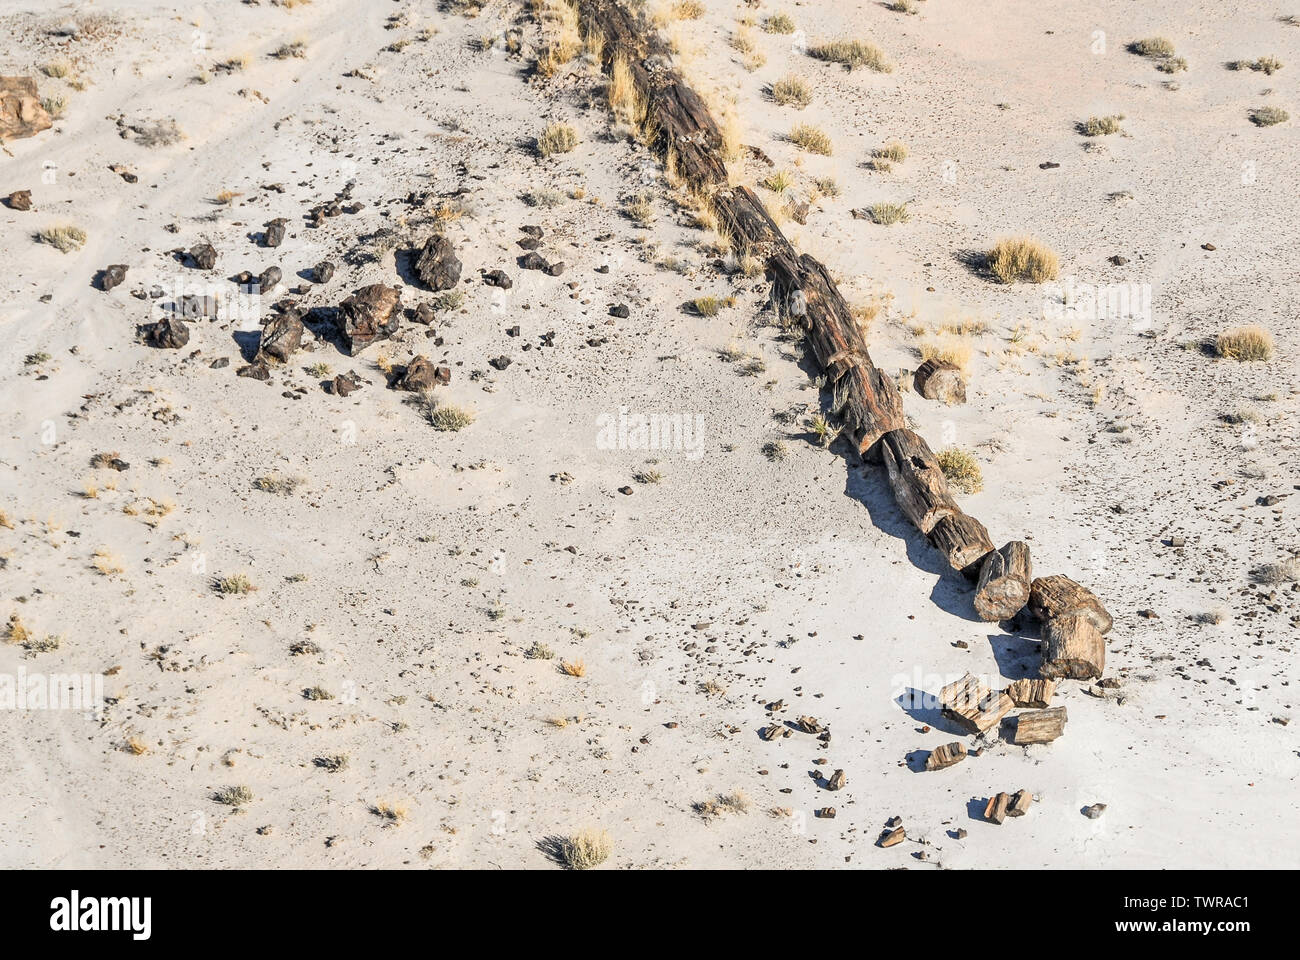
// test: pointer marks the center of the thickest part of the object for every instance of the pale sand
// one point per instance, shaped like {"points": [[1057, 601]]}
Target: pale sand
{"points": [[788, 563]]}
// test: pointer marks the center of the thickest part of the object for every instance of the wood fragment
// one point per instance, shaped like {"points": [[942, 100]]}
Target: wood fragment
{"points": [[940, 380], [946, 755], [995, 811], [917, 481], [892, 837], [1032, 693], [1020, 802], [971, 705], [1040, 726]]}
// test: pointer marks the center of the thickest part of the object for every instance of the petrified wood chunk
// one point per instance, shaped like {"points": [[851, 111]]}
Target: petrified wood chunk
{"points": [[940, 380], [1059, 596], [1072, 647], [964, 541], [917, 481], [970, 704], [1003, 586], [1040, 726]]}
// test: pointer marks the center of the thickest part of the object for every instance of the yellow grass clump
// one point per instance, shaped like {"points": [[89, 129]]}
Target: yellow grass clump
{"points": [[961, 469], [1023, 259], [1247, 343]]}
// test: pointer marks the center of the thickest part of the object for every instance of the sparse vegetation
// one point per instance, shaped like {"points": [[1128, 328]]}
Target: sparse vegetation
{"points": [[1266, 65], [106, 563], [544, 197], [557, 138], [573, 668], [894, 152], [639, 210], [777, 181], [1268, 116], [584, 850], [1152, 47], [236, 584], [735, 802], [333, 763], [1023, 259], [853, 54], [961, 469], [274, 483], [391, 813], [234, 796], [1246, 343], [775, 450], [810, 138], [65, 237], [446, 417], [706, 306], [648, 476], [887, 214], [780, 23], [539, 651], [317, 693], [792, 90], [1101, 126], [1286, 571]]}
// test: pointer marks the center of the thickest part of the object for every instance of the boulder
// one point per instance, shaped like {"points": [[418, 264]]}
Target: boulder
{"points": [[203, 256], [268, 279], [372, 313], [111, 276], [436, 264], [322, 272], [273, 236], [20, 200]]}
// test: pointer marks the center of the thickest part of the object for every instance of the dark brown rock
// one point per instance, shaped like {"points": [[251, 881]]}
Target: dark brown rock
{"points": [[167, 334], [20, 200], [372, 313], [203, 256], [273, 236], [437, 265], [111, 276], [421, 375], [281, 337], [322, 272]]}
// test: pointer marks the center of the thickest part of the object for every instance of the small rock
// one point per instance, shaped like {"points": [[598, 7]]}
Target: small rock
{"points": [[111, 276], [203, 256], [621, 311], [890, 838], [501, 362], [1094, 811], [273, 235], [257, 370], [437, 265], [20, 200], [322, 272], [168, 333], [497, 278]]}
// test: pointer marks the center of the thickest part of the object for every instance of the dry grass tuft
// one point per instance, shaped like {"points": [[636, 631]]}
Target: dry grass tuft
{"points": [[1268, 116], [573, 668], [810, 138], [1101, 126], [557, 138], [853, 54], [792, 90], [65, 237], [1023, 259], [961, 469], [887, 214], [584, 850], [780, 23], [1246, 343]]}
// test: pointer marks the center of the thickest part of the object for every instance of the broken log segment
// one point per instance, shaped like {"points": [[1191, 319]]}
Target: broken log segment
{"points": [[971, 705], [963, 541], [1003, 586], [995, 811], [1059, 596], [946, 755], [1039, 726], [940, 380], [915, 477], [1020, 801], [1032, 693], [1072, 647]]}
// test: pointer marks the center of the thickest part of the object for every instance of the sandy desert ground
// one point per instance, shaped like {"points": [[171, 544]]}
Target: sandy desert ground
{"points": [[390, 689]]}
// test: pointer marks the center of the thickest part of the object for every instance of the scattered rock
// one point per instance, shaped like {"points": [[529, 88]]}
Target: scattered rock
{"points": [[1020, 802], [971, 705], [497, 278], [940, 380], [825, 813], [555, 269], [436, 264], [219, 364], [202, 256], [1031, 693], [111, 276], [532, 261], [1118, 261], [626, 491], [345, 384], [257, 370], [621, 311], [890, 838], [1208, 246], [282, 337], [1094, 811], [322, 272], [20, 200], [273, 235], [268, 279], [168, 333], [501, 362], [372, 313], [421, 375], [995, 811], [836, 781]]}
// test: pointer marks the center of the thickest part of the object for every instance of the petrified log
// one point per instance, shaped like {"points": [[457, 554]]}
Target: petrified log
{"points": [[971, 705], [1032, 693], [21, 113], [919, 485], [1059, 596], [370, 314], [963, 541], [1072, 647], [437, 265], [946, 755], [1020, 801], [995, 811], [940, 380], [1003, 586], [1040, 726]]}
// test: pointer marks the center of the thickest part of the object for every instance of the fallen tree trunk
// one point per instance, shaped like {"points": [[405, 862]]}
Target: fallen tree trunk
{"points": [[679, 128], [1040, 726]]}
